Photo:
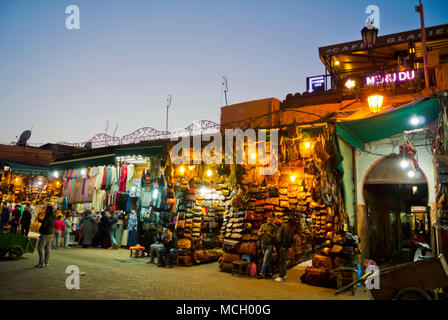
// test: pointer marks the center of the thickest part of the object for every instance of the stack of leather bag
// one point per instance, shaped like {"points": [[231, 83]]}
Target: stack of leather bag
{"points": [[199, 219]]}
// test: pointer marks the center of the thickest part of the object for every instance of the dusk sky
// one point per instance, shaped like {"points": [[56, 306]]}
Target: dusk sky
{"points": [[129, 55]]}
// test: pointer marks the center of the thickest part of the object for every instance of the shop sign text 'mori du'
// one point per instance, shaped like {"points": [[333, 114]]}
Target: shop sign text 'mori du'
{"points": [[390, 77]]}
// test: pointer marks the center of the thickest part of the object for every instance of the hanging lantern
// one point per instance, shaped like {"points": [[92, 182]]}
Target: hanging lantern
{"points": [[369, 36], [375, 103]]}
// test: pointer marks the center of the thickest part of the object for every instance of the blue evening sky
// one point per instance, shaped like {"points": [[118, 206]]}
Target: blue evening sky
{"points": [[130, 54]]}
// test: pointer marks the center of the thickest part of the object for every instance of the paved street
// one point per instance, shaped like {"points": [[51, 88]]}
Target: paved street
{"points": [[105, 277]]}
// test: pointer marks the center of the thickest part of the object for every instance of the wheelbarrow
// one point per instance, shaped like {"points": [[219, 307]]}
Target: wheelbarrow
{"points": [[16, 245], [418, 280]]}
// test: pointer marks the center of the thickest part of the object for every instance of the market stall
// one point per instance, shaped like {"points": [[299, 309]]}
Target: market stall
{"points": [[306, 188]]}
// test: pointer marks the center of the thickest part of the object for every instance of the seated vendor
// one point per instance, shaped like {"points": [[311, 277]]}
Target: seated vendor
{"points": [[157, 245], [169, 241]]}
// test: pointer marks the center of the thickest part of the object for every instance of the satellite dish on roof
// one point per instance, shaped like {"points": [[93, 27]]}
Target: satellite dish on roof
{"points": [[24, 137], [88, 145]]}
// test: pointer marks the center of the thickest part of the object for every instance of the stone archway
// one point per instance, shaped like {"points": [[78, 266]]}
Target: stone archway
{"points": [[366, 161], [389, 194]]}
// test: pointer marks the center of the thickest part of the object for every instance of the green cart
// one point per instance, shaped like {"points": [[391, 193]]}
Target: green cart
{"points": [[16, 245]]}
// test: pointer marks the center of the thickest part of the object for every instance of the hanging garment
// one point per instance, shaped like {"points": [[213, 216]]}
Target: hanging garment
{"points": [[113, 176], [108, 177], [123, 177], [103, 183], [99, 178], [130, 177], [136, 188], [145, 197], [99, 202]]}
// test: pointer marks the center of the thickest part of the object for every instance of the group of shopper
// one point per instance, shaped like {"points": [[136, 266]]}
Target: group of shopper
{"points": [[99, 228], [16, 218], [278, 235]]}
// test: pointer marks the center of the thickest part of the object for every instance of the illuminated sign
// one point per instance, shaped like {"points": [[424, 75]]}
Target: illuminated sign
{"points": [[390, 77], [350, 83], [315, 83]]}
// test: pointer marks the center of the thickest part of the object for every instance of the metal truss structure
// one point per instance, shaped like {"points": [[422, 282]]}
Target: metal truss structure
{"points": [[102, 140]]}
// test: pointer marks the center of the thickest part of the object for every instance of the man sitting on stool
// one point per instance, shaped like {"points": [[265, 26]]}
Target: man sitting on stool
{"points": [[155, 247], [169, 245]]}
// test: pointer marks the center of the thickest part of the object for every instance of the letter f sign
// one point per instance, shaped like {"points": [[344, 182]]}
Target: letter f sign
{"points": [[72, 22]]}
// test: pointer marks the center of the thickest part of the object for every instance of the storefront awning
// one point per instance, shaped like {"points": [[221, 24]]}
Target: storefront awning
{"points": [[387, 124], [139, 151], [28, 170], [101, 160]]}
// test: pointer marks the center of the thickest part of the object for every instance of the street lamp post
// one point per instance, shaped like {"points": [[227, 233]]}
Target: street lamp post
{"points": [[167, 108], [369, 35], [419, 9], [226, 88]]}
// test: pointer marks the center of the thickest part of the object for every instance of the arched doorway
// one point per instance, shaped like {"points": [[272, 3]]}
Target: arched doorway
{"points": [[396, 205]]}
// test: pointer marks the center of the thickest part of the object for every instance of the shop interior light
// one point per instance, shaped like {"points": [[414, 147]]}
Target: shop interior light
{"points": [[375, 102], [39, 183], [58, 183], [350, 83], [133, 188], [17, 179], [307, 144], [404, 164], [336, 63], [253, 156], [191, 168], [182, 169], [209, 173], [411, 174], [56, 174], [293, 177], [414, 189], [155, 193], [83, 172]]}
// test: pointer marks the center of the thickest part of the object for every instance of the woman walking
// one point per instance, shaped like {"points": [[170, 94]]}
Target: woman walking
{"points": [[46, 230], [87, 228]]}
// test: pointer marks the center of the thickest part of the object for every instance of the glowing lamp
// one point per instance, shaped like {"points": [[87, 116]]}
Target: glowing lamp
{"points": [[191, 168], [209, 173], [182, 170], [375, 103], [155, 193], [404, 164], [39, 183], [56, 174], [253, 156], [307, 144], [414, 189], [415, 120], [57, 183], [411, 174], [350, 83], [293, 177], [336, 63]]}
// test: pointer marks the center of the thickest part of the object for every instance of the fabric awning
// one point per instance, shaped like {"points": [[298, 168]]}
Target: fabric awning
{"points": [[93, 161], [27, 170], [387, 124]]}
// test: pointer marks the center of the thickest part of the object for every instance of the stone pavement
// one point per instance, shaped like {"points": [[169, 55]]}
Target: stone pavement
{"points": [[107, 278]]}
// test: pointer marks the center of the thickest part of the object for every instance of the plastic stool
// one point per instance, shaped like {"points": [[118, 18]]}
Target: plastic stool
{"points": [[137, 250]]}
